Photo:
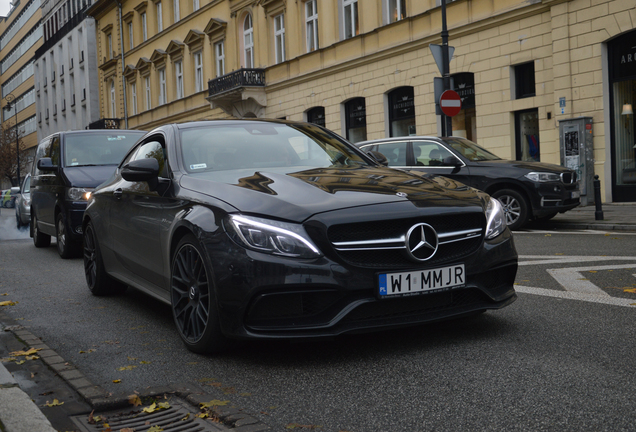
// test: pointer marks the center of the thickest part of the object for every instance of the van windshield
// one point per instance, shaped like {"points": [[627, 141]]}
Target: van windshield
{"points": [[107, 148]]}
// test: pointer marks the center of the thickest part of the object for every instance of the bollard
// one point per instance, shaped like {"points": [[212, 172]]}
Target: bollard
{"points": [[598, 214]]}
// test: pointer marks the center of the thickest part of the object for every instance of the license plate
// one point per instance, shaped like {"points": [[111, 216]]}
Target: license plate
{"points": [[576, 194], [421, 281]]}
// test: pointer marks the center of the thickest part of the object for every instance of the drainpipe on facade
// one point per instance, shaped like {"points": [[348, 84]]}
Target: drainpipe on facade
{"points": [[123, 67]]}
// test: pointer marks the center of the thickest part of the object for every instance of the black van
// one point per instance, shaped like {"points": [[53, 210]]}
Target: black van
{"points": [[67, 167]]}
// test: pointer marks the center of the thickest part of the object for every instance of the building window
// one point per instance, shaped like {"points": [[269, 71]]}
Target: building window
{"points": [[177, 12], [316, 116], [279, 37], [112, 99], [396, 10], [351, 26], [159, 18], [248, 42], [356, 120], [131, 40], [311, 25], [402, 112], [162, 86], [195, 5], [527, 135], [219, 52], [144, 26], [133, 97], [109, 39], [198, 71], [178, 72], [148, 93], [524, 81]]}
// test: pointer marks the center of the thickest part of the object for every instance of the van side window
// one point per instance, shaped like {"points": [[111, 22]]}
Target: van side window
{"points": [[42, 151], [55, 151]]}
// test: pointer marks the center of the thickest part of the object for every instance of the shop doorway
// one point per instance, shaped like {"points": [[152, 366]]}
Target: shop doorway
{"points": [[527, 135]]}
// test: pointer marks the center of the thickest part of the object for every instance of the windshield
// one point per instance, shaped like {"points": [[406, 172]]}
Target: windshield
{"points": [[264, 145], [107, 148], [470, 150]]}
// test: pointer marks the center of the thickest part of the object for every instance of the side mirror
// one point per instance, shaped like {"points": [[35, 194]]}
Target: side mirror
{"points": [[142, 170], [378, 157], [46, 164], [15, 190], [452, 161]]}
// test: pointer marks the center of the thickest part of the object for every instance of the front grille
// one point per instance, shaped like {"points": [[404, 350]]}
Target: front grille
{"points": [[394, 254], [409, 306], [568, 177]]}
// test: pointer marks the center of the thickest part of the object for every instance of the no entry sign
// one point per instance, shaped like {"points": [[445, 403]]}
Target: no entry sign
{"points": [[450, 103]]}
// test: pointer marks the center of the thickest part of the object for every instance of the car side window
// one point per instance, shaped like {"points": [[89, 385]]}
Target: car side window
{"points": [[395, 152], [428, 153], [55, 151], [153, 149]]}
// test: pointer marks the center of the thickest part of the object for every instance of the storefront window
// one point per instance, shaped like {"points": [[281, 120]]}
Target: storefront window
{"points": [[356, 120], [624, 142], [464, 123], [316, 116], [402, 112], [527, 135]]}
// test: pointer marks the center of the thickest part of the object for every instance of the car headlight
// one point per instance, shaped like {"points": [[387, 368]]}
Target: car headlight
{"points": [[495, 219], [79, 194], [273, 237], [542, 177]]}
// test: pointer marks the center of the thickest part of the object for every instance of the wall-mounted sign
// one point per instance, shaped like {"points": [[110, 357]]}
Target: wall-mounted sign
{"points": [[464, 85]]}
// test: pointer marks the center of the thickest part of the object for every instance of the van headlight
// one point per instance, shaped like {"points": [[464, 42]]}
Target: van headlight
{"points": [[79, 194], [270, 236], [495, 219]]}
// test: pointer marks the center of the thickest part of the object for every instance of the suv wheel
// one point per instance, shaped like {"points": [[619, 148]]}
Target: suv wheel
{"points": [[65, 246], [40, 240], [515, 207]]}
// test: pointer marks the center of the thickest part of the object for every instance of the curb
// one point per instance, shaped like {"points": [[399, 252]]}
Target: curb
{"points": [[99, 399]]}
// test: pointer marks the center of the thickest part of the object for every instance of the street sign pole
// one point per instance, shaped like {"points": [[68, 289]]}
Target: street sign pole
{"points": [[447, 121]]}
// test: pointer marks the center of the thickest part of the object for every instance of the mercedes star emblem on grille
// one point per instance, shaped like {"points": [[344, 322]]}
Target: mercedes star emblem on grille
{"points": [[421, 242]]}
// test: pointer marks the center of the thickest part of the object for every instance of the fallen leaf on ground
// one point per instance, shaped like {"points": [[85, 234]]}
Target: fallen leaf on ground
{"points": [[630, 290], [117, 381], [5, 294], [26, 353], [54, 403], [123, 368], [8, 303], [32, 357], [155, 429], [134, 400], [213, 403], [20, 362], [145, 362], [156, 407]]}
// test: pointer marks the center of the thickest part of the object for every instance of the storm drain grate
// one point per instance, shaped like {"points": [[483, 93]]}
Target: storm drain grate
{"points": [[179, 417]]}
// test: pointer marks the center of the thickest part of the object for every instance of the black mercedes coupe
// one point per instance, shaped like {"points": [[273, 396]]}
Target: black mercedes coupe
{"points": [[261, 229]]}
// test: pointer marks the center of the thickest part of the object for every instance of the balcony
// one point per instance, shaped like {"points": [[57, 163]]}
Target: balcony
{"points": [[240, 93], [106, 123]]}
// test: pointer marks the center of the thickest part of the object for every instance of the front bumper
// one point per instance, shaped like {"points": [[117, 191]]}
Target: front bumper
{"points": [[74, 215], [266, 297], [554, 197]]}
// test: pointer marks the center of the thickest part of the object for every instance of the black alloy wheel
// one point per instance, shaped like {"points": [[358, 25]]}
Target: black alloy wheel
{"points": [[98, 281], [65, 246], [193, 300], [515, 207], [40, 240]]}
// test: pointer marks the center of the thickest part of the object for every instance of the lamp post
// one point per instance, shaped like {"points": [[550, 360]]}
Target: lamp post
{"points": [[11, 102]]}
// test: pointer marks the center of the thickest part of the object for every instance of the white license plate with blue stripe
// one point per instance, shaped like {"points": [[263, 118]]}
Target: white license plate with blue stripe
{"points": [[417, 282]]}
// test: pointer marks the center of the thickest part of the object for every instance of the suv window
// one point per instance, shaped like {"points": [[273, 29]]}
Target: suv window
{"points": [[428, 153], [395, 152]]}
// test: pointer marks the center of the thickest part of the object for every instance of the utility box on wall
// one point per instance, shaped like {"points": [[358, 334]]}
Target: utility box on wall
{"points": [[577, 153]]}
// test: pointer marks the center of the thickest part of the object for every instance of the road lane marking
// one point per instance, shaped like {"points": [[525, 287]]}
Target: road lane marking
{"points": [[571, 295], [572, 280], [543, 259]]}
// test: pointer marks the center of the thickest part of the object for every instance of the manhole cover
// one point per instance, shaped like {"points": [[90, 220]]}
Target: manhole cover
{"points": [[179, 417]]}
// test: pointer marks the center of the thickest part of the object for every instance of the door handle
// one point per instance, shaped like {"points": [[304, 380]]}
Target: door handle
{"points": [[118, 193]]}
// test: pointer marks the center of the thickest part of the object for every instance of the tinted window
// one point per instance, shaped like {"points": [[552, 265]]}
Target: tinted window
{"points": [[470, 150], [428, 153], [42, 151], [261, 145], [55, 151], [108, 148], [395, 152]]}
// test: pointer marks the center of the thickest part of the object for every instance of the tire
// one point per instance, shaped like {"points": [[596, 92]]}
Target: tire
{"points": [[515, 207], [98, 281], [193, 300], [40, 240], [65, 246]]}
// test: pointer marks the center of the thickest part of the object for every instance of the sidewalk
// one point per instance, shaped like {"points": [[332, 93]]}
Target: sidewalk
{"points": [[616, 217]]}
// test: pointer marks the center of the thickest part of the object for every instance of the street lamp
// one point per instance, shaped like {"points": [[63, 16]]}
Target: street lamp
{"points": [[11, 101]]}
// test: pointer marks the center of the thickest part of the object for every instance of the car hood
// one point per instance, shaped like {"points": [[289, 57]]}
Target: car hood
{"points": [[299, 195], [88, 176], [529, 166]]}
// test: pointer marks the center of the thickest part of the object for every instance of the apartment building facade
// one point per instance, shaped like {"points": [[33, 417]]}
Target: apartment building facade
{"points": [[20, 36], [364, 69], [66, 78]]}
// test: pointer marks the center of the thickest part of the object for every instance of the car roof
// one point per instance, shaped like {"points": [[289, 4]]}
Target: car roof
{"points": [[81, 131], [394, 139], [200, 123]]}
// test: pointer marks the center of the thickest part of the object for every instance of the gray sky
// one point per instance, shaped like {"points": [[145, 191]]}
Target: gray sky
{"points": [[5, 6]]}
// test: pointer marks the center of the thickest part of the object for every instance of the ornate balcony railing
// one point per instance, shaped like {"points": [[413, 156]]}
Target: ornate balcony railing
{"points": [[237, 79], [106, 123]]}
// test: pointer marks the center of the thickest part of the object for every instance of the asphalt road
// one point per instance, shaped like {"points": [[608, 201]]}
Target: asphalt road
{"points": [[548, 362]]}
